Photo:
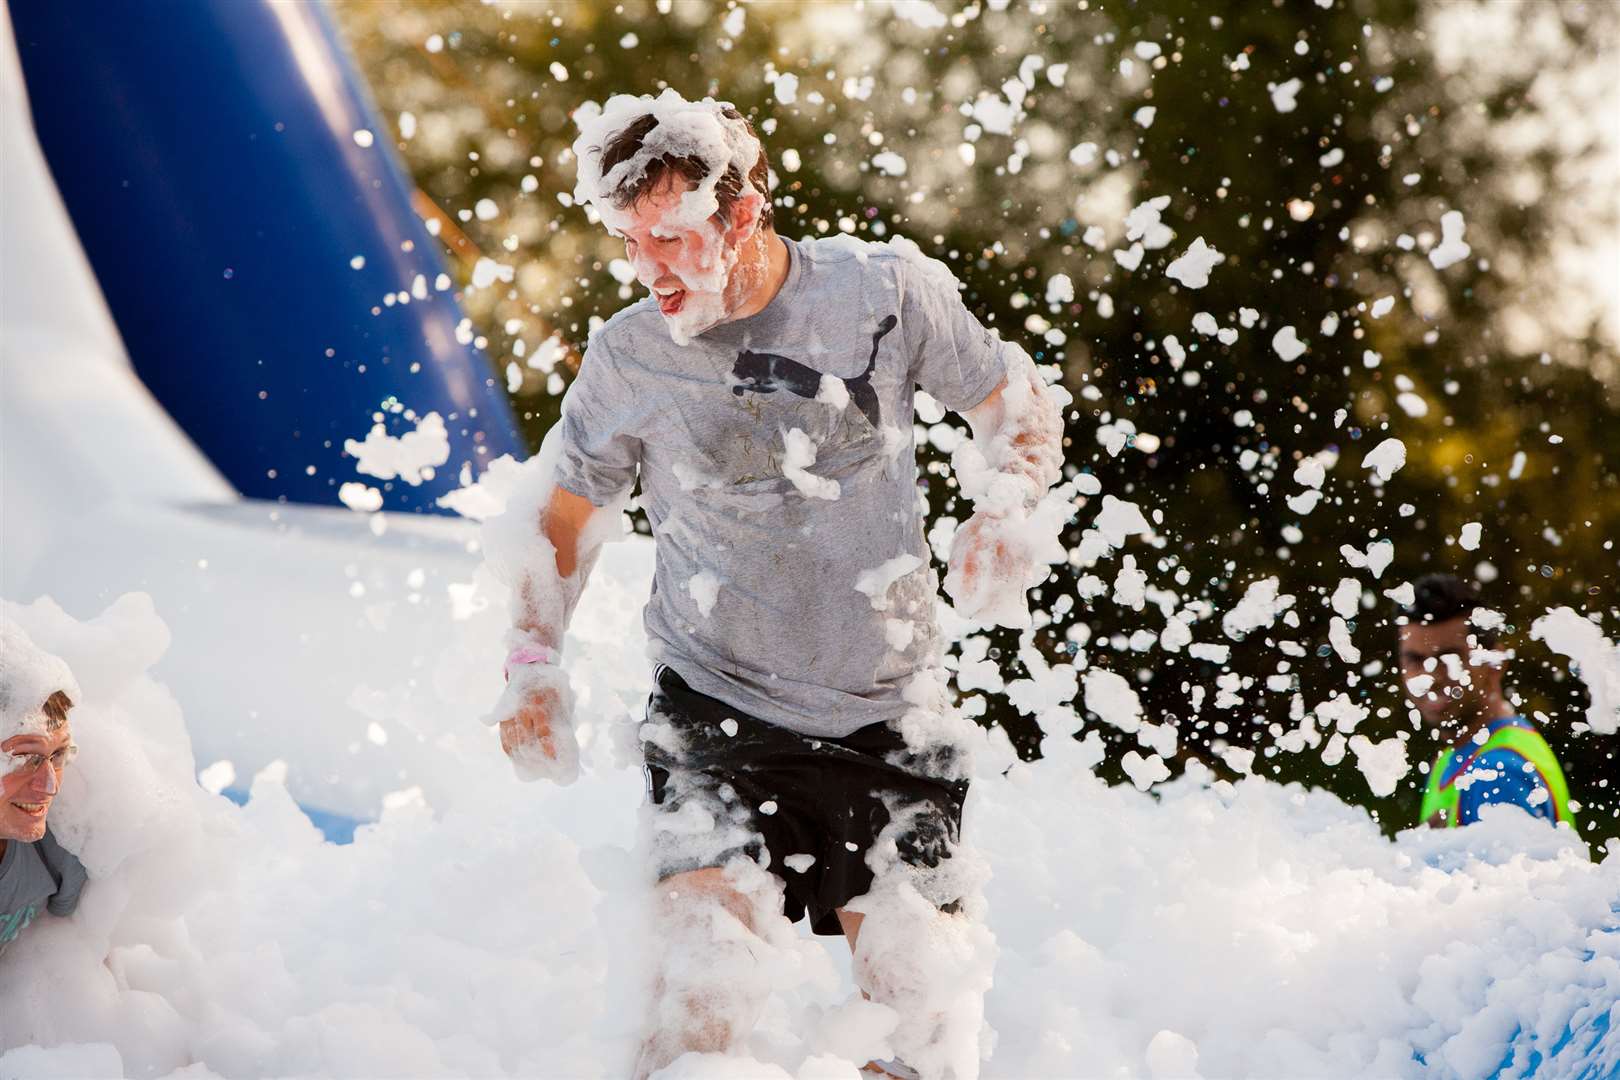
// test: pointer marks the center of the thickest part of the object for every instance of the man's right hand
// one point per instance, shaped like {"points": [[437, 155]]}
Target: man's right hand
{"points": [[535, 718], [529, 731]]}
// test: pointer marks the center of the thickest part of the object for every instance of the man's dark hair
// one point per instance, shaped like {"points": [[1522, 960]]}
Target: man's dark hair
{"points": [[56, 709], [691, 168], [1438, 598]]}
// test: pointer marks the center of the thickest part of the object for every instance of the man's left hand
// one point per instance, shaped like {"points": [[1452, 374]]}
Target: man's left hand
{"points": [[991, 566]]}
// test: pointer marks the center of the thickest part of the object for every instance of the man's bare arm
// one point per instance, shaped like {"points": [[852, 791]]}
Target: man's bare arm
{"points": [[543, 611], [1022, 437], [985, 417], [536, 714], [1016, 455]]}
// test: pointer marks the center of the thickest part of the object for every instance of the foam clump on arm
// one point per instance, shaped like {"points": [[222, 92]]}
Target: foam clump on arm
{"points": [[1015, 456], [545, 587], [1006, 471], [1016, 453]]}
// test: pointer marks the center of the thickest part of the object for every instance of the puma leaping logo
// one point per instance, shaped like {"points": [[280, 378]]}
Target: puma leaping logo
{"points": [[766, 373]]}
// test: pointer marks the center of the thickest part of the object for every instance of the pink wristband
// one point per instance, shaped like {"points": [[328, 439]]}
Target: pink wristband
{"points": [[532, 654]]}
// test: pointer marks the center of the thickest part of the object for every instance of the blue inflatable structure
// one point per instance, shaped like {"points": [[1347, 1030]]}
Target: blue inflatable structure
{"points": [[245, 215]]}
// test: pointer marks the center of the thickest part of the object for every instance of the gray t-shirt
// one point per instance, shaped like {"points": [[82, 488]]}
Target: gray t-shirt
{"points": [[32, 876], [796, 592]]}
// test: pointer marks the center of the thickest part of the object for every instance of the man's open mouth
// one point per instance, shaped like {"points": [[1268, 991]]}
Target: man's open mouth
{"points": [[670, 302], [32, 809]]}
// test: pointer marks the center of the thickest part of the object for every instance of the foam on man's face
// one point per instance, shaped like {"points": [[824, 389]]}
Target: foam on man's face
{"points": [[686, 267], [681, 245]]}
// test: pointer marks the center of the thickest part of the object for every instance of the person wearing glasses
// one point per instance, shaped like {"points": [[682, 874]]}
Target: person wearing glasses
{"points": [[36, 744]]}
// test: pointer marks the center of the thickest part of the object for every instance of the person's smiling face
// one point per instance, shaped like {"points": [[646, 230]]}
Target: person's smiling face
{"points": [[701, 272], [672, 260], [27, 791]]}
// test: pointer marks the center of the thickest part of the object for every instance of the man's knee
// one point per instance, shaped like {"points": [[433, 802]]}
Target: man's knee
{"points": [[710, 885]]}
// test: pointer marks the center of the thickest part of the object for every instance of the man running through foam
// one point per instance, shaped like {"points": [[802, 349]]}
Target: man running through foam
{"points": [[1453, 676], [801, 751]]}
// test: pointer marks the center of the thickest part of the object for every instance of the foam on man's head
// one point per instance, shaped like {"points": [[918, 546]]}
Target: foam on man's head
{"points": [[708, 131], [28, 677], [657, 169]]}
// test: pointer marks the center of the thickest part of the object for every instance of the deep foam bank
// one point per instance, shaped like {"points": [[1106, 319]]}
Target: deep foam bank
{"points": [[1211, 929]]}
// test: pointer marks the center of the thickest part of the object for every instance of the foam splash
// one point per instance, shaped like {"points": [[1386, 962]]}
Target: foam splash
{"points": [[235, 940]]}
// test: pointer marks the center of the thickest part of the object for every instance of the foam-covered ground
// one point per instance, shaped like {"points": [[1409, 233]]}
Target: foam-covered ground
{"points": [[495, 928]]}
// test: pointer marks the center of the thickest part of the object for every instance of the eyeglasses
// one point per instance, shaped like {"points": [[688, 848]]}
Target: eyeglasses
{"points": [[59, 760]]}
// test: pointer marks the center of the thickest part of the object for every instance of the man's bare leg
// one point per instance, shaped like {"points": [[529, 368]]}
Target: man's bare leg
{"points": [[708, 988], [931, 966], [850, 922]]}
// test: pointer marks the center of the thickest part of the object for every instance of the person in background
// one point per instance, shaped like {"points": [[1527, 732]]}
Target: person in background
{"points": [[1453, 677], [36, 745]]}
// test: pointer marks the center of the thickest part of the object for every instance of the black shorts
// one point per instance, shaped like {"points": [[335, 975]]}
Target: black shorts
{"points": [[812, 806]]}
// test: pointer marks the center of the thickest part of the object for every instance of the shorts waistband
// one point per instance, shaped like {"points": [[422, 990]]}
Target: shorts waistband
{"points": [[667, 678]]}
